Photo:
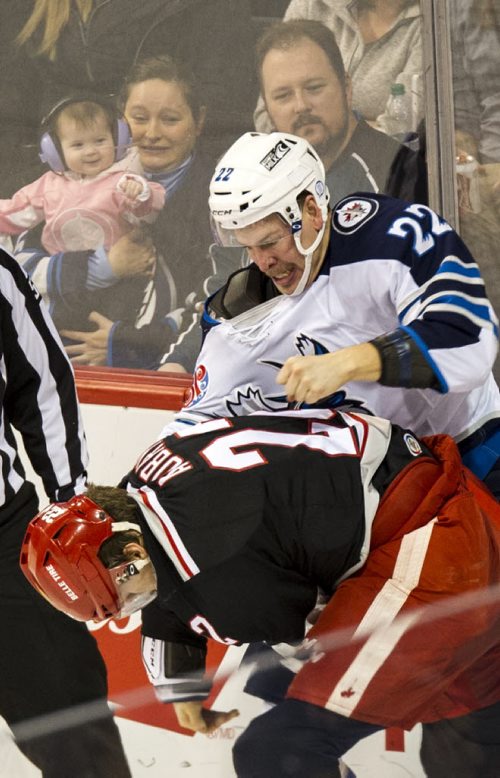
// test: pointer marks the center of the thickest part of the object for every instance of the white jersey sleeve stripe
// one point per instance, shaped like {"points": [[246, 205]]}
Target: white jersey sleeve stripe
{"points": [[165, 532]]}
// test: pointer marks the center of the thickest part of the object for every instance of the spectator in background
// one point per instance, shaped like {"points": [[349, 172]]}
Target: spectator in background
{"points": [[49, 50], [475, 44], [308, 93], [126, 306], [88, 198], [381, 44]]}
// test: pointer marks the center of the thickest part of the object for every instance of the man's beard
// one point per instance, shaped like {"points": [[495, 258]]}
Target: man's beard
{"points": [[332, 144]]}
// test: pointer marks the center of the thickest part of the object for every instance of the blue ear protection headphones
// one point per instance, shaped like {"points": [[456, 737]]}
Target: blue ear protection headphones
{"points": [[50, 152]]}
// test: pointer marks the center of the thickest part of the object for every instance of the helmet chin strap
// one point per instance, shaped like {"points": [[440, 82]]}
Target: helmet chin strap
{"points": [[308, 257]]}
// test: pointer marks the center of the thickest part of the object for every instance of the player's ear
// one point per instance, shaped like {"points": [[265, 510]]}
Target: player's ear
{"points": [[134, 550], [312, 211]]}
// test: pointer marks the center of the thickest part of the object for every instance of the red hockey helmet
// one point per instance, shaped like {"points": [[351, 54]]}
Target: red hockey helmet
{"points": [[59, 557]]}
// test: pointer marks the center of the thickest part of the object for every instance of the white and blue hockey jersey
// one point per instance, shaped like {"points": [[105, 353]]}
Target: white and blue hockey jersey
{"points": [[390, 268]]}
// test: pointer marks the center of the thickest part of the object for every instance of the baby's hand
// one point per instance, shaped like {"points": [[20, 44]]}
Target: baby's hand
{"points": [[131, 187]]}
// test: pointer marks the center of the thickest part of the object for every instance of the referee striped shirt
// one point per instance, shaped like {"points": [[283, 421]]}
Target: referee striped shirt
{"points": [[37, 394]]}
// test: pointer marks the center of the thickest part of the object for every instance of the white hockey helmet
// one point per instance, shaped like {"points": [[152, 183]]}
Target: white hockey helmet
{"points": [[263, 174]]}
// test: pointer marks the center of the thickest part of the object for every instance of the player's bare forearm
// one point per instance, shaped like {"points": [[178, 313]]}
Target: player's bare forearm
{"points": [[309, 379]]}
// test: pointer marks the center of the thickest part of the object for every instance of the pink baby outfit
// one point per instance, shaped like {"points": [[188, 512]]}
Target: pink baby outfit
{"points": [[80, 213]]}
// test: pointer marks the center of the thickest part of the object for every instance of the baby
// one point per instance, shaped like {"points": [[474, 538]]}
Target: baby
{"points": [[92, 199]]}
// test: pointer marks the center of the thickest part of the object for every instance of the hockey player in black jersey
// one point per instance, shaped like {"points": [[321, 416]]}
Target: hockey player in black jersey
{"points": [[228, 529]]}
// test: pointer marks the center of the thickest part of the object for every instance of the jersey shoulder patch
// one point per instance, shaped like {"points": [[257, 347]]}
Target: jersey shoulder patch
{"points": [[352, 212]]}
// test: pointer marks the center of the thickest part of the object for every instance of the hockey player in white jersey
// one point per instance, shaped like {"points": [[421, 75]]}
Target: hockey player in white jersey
{"points": [[376, 299]]}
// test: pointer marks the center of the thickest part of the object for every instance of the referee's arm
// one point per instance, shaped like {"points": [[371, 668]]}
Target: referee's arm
{"points": [[38, 389]]}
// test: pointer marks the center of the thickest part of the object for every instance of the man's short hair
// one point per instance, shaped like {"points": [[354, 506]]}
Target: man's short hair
{"points": [[286, 35]]}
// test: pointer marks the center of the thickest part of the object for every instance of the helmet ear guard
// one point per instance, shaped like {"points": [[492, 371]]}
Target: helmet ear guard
{"points": [[59, 557]]}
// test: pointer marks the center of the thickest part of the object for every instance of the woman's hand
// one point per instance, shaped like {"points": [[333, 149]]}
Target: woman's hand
{"points": [[192, 715], [133, 254], [91, 347]]}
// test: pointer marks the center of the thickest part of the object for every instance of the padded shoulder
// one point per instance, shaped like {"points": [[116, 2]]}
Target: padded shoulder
{"points": [[243, 290]]}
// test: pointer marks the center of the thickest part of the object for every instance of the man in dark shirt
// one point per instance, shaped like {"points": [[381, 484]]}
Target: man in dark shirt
{"points": [[306, 92], [228, 529]]}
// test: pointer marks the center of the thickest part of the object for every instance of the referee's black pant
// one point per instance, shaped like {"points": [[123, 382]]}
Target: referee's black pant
{"points": [[48, 663]]}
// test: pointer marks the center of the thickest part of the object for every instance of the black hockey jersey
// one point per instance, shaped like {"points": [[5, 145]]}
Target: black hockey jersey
{"points": [[245, 518]]}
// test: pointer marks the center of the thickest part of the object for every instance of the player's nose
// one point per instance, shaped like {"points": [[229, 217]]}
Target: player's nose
{"points": [[262, 257]]}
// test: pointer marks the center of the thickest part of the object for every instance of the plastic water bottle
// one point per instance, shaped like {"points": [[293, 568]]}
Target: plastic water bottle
{"points": [[469, 196], [399, 112]]}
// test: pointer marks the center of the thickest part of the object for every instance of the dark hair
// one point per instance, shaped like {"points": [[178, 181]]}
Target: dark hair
{"points": [[285, 35], [111, 552], [115, 501], [164, 68], [121, 507]]}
